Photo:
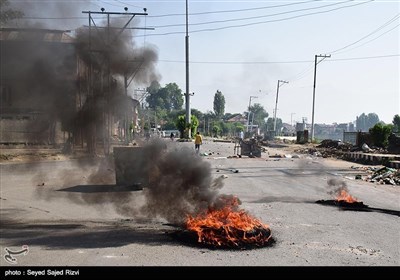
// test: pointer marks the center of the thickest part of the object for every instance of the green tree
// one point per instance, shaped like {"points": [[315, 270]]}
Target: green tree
{"points": [[227, 116], [396, 123], [219, 104], [270, 124], [238, 127], [380, 134], [197, 113], [209, 118], [216, 129], [168, 97], [7, 14], [182, 127], [259, 115]]}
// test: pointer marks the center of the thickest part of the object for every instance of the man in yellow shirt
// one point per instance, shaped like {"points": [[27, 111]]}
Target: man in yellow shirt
{"points": [[197, 142]]}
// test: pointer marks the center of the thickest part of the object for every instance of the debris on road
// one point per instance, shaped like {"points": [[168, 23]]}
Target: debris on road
{"points": [[380, 175]]}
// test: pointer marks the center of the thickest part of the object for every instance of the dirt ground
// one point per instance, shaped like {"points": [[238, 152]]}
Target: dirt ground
{"points": [[19, 154], [22, 154]]}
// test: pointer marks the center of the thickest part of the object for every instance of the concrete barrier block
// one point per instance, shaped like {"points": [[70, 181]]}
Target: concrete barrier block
{"points": [[131, 167]]}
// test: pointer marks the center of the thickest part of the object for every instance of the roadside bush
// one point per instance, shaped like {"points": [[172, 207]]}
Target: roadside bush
{"points": [[380, 134]]}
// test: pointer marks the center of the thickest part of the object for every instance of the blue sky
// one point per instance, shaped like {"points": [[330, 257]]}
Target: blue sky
{"points": [[279, 42]]}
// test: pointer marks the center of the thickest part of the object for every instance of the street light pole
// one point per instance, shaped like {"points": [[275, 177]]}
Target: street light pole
{"points": [[276, 101], [315, 82], [187, 95]]}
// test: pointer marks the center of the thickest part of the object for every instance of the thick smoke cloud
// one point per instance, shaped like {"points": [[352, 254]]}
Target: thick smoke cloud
{"points": [[336, 186], [43, 71], [181, 184], [51, 14]]}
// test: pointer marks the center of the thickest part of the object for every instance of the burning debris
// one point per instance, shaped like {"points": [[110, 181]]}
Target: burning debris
{"points": [[229, 227], [345, 201], [185, 193], [182, 191], [342, 195], [345, 196]]}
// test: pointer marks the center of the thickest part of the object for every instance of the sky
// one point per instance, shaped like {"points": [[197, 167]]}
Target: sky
{"points": [[243, 48]]}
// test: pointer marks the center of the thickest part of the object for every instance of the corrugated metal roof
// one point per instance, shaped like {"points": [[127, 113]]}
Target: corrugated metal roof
{"points": [[45, 35]]}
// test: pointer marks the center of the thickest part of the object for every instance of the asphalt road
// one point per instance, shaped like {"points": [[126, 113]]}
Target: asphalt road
{"points": [[50, 207]]}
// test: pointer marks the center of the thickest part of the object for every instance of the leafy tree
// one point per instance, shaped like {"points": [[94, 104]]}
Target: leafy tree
{"points": [[182, 127], [197, 113], [209, 117], [216, 129], [396, 123], [168, 97], [380, 134], [227, 116], [259, 115], [270, 124], [238, 127], [8, 14], [365, 122], [219, 104], [194, 124]]}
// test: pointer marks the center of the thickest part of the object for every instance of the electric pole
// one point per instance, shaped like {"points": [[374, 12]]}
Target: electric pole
{"points": [[187, 95], [107, 88], [276, 101], [291, 118], [315, 81]]}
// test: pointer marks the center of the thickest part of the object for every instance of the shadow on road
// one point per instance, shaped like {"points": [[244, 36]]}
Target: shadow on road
{"points": [[101, 188], [67, 235]]}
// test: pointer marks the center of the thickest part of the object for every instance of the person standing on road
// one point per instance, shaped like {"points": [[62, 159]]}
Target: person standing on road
{"points": [[197, 142]]}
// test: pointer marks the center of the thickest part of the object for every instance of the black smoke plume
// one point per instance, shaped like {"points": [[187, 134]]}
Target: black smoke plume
{"points": [[336, 186], [181, 184], [48, 70]]}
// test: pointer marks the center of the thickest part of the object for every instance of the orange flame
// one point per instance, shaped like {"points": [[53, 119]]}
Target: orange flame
{"points": [[345, 196], [229, 226]]}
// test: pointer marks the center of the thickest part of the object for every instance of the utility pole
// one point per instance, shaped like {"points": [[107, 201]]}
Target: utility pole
{"points": [[187, 95], [291, 118], [106, 52], [248, 115], [276, 101], [315, 81]]}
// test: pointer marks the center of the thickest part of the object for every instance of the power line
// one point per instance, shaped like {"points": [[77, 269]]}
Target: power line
{"points": [[234, 11], [277, 62], [307, 71], [109, 3], [369, 34], [365, 57], [257, 23], [373, 39], [129, 4], [254, 17], [236, 62], [238, 19], [191, 14]]}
